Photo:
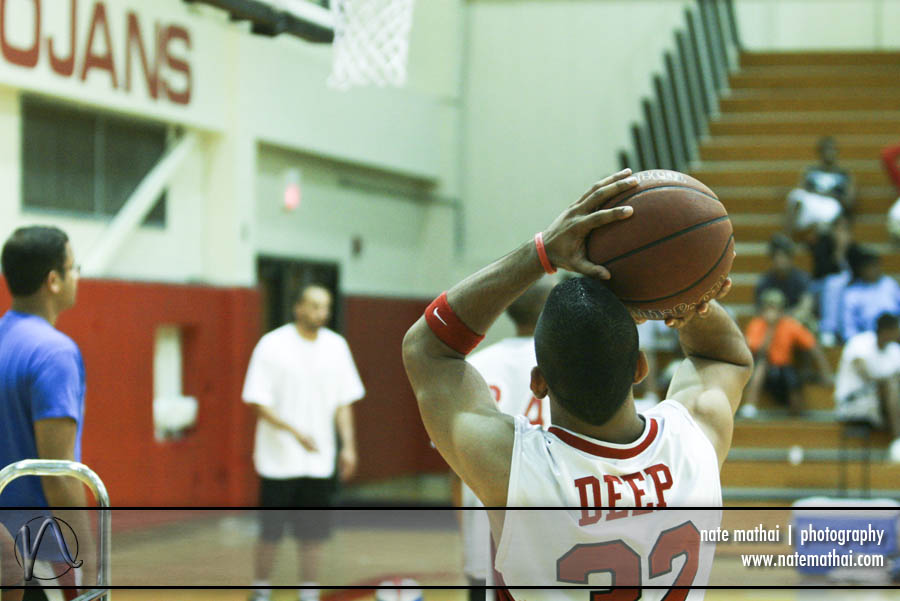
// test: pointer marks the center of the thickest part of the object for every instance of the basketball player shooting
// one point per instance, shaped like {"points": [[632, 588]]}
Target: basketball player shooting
{"points": [[617, 467]]}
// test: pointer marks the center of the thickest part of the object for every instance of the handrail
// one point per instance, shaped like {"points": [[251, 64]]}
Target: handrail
{"points": [[705, 51], [58, 467]]}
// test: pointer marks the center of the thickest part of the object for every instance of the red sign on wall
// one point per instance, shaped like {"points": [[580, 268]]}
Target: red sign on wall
{"points": [[163, 55]]}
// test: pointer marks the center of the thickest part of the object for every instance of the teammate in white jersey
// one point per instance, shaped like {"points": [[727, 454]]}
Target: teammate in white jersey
{"points": [[599, 453], [506, 368]]}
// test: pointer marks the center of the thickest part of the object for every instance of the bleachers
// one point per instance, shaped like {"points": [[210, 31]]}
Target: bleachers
{"points": [[779, 105]]}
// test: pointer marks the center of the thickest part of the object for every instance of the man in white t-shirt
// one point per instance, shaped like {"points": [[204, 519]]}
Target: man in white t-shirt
{"points": [[599, 455], [301, 382], [867, 386], [506, 367]]}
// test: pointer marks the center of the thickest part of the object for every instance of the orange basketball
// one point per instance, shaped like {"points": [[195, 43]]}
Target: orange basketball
{"points": [[674, 252]]}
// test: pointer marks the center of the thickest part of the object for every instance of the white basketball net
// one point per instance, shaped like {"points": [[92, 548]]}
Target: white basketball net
{"points": [[371, 42]]}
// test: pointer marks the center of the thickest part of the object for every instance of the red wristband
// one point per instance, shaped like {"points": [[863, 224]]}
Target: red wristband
{"points": [[542, 253], [450, 328]]}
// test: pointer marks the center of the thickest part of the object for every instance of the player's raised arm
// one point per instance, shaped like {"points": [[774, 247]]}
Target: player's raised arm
{"points": [[455, 403], [711, 380]]}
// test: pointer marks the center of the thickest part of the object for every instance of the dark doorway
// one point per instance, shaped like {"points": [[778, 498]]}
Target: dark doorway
{"points": [[281, 279]]}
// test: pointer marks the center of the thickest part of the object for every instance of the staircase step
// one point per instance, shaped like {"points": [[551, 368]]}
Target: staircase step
{"points": [[738, 148], [822, 475], [758, 263], [820, 58], [762, 232], [871, 200], [807, 77], [785, 433], [822, 100], [817, 123], [785, 174]]}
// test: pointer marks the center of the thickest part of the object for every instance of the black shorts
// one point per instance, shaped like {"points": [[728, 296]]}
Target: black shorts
{"points": [[302, 495], [781, 381]]}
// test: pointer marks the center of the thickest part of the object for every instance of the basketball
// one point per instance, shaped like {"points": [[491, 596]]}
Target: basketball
{"points": [[673, 253]]}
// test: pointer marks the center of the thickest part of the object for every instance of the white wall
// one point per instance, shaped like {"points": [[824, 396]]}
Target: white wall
{"points": [[819, 24], [251, 93], [552, 89]]}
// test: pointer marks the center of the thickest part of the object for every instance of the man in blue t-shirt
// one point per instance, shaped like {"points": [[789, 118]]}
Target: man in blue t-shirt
{"points": [[42, 381]]}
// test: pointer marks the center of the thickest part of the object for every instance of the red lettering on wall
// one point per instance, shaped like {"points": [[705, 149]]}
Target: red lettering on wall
{"points": [[27, 57], [135, 41], [65, 66], [176, 63], [589, 516], [661, 484], [99, 61]]}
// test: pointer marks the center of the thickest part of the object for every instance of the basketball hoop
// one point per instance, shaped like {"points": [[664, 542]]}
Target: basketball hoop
{"points": [[371, 42]]}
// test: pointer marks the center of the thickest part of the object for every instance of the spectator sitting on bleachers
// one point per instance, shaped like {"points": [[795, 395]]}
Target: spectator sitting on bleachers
{"points": [[832, 253], [793, 282], [869, 294], [653, 337], [774, 339], [825, 191], [890, 156], [867, 386]]}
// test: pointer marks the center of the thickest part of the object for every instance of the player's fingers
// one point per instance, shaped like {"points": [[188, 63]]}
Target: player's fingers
{"points": [[604, 182], [588, 268], [725, 289], [606, 216], [617, 184]]}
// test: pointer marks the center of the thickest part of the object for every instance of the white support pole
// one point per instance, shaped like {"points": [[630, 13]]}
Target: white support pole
{"points": [[136, 208]]}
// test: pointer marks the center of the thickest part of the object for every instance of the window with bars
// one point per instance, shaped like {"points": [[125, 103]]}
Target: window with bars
{"points": [[86, 162]]}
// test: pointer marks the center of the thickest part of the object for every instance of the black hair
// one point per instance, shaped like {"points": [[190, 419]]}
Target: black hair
{"points": [[30, 254], [781, 243], [587, 349], [526, 310], [860, 260], [886, 321]]}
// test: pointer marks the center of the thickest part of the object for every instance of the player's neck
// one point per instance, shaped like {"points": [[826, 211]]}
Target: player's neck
{"points": [[522, 331], [36, 305], [624, 427]]}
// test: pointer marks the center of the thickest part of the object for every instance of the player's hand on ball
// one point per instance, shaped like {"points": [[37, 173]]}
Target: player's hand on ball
{"points": [[701, 310], [565, 239]]}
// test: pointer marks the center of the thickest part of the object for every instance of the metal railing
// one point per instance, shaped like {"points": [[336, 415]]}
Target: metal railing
{"points": [[58, 468], [706, 50]]}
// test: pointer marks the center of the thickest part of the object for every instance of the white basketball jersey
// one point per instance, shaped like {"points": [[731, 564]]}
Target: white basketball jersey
{"points": [[630, 541], [506, 367]]}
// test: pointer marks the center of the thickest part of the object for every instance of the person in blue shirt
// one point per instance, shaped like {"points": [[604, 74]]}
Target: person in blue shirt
{"points": [[869, 294], [42, 381]]}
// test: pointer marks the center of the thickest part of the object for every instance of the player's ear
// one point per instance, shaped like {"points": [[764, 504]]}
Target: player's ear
{"points": [[642, 368], [538, 383]]}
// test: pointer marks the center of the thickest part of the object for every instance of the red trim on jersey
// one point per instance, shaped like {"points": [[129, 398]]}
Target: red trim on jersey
{"points": [[625, 452]]}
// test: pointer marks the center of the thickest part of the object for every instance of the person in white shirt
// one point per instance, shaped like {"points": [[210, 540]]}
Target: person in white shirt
{"points": [[506, 367], [301, 381], [599, 454], [867, 386]]}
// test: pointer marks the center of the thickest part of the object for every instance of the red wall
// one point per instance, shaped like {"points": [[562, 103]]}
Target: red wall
{"points": [[114, 323], [391, 438]]}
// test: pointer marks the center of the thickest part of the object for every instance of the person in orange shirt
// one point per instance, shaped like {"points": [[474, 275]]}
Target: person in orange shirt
{"points": [[773, 337]]}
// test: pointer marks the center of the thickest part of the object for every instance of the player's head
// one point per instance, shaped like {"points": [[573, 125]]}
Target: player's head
{"points": [[781, 251], [526, 310], [586, 344], [312, 308], [828, 150], [38, 260], [887, 328]]}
